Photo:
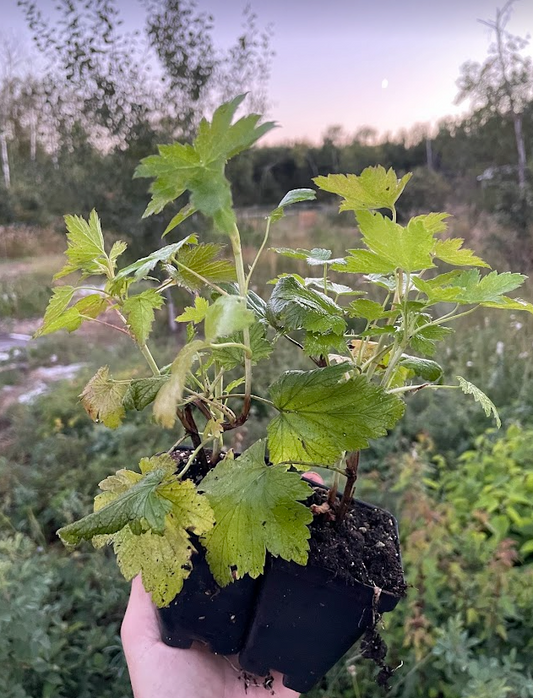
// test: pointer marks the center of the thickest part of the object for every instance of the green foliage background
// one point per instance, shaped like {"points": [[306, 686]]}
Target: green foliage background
{"points": [[461, 493]]}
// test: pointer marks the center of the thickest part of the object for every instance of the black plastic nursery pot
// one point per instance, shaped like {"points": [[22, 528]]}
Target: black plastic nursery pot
{"points": [[205, 612], [307, 618]]}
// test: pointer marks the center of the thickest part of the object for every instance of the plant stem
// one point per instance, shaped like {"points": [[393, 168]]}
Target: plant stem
{"points": [[253, 397], [259, 252], [177, 443], [313, 465], [415, 388], [198, 451], [332, 494], [352, 467], [149, 359], [243, 287], [217, 405], [106, 324], [191, 428], [236, 345]]}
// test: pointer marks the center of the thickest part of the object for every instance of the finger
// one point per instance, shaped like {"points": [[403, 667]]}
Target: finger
{"points": [[314, 477], [140, 619]]}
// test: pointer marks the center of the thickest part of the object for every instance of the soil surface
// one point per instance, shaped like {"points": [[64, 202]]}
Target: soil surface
{"points": [[362, 548]]}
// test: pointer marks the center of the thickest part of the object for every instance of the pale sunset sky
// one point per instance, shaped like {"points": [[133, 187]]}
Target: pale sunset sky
{"points": [[388, 64]]}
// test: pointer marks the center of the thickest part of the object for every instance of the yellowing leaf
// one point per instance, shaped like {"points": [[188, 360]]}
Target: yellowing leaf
{"points": [[257, 509], [149, 516], [165, 560], [102, 399], [170, 395], [451, 251], [374, 188], [408, 248], [196, 314], [139, 503]]}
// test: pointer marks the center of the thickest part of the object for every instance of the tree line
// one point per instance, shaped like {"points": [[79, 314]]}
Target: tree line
{"points": [[72, 132]]}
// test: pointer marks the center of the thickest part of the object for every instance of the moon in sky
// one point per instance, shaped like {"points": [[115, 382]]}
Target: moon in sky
{"points": [[384, 83]]}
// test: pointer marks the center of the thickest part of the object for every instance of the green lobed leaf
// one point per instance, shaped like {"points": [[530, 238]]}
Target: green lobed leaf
{"points": [[322, 414], [257, 509], [140, 314], [118, 248], [479, 396], [170, 394], [204, 260], [292, 306], [408, 248], [292, 197], [102, 399], [60, 317], [227, 315], [182, 215], [364, 262], [140, 503], [165, 560], [222, 139], [199, 167], [374, 188], [434, 222], [506, 303], [425, 368], [195, 314], [425, 340], [142, 267], [58, 303], [323, 344], [231, 357], [85, 251], [451, 251], [142, 392], [367, 309]]}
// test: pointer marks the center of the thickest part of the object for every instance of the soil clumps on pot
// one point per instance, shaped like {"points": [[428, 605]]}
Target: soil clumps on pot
{"points": [[363, 547]]}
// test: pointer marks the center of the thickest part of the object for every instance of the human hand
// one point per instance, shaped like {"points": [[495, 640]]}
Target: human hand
{"points": [[159, 671]]}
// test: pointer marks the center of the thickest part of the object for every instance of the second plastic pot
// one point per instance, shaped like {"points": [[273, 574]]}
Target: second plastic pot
{"points": [[306, 619], [205, 612]]}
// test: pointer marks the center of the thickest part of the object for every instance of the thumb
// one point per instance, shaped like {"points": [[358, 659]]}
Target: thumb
{"points": [[140, 620]]}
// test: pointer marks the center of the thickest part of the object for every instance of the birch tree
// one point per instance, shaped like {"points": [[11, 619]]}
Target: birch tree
{"points": [[503, 83]]}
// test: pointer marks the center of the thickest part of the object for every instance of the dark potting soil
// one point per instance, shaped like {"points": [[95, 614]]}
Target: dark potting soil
{"points": [[361, 548]]}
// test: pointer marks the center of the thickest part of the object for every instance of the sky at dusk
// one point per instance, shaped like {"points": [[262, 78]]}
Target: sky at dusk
{"points": [[388, 64]]}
